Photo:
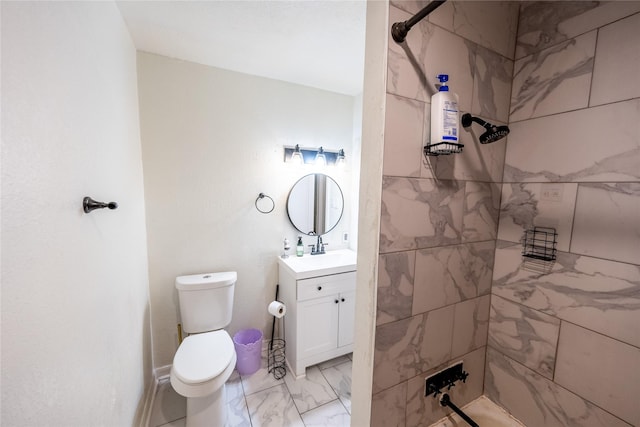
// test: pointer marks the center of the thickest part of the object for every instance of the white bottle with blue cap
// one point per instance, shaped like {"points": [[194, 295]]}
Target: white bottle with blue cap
{"points": [[444, 119]]}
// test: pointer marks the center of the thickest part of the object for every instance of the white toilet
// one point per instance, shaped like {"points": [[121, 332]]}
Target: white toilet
{"points": [[206, 358]]}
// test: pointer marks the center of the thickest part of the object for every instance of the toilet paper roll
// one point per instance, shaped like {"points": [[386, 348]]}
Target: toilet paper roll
{"points": [[276, 308]]}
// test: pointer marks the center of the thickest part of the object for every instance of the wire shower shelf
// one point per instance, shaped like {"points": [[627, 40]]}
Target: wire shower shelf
{"points": [[540, 243]]}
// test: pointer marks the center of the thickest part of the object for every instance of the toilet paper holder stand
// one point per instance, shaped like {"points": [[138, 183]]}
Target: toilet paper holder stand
{"points": [[276, 358]]}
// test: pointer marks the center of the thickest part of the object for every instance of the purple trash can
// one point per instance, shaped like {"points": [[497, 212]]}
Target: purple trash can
{"points": [[248, 344]]}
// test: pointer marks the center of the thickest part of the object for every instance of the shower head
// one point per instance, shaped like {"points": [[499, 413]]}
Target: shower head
{"points": [[493, 133]]}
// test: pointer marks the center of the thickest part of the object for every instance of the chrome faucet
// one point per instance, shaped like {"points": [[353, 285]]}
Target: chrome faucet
{"points": [[318, 248]]}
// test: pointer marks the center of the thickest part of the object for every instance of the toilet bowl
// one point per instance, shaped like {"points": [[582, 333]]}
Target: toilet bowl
{"points": [[206, 357], [201, 367]]}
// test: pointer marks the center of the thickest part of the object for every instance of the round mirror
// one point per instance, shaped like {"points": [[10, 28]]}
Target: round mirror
{"points": [[315, 204]]}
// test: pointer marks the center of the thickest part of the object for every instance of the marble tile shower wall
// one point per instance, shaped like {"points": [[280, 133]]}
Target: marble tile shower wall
{"points": [[564, 338], [439, 217]]}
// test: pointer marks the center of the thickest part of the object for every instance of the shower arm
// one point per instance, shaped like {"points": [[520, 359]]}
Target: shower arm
{"points": [[399, 30], [467, 118]]}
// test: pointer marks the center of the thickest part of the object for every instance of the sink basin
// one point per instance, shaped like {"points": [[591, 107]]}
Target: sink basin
{"points": [[332, 262]]}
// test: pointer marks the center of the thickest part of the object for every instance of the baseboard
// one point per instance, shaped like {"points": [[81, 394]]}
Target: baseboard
{"points": [[149, 399], [162, 373]]}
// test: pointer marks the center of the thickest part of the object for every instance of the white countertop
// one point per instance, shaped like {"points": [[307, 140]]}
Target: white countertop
{"points": [[331, 262]]}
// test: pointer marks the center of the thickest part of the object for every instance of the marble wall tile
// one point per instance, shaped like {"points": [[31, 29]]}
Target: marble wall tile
{"points": [[595, 144], [537, 401], [404, 122], [420, 213], [607, 221], [470, 325], [481, 210], [395, 286], [492, 24], [524, 206], [525, 335], [389, 406], [450, 274], [600, 369], [493, 75], [405, 348], [545, 23], [424, 410], [600, 295], [410, 6], [617, 64], [554, 80], [412, 69]]}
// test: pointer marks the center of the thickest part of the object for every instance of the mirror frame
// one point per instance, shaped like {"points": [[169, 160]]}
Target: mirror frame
{"points": [[315, 204]]}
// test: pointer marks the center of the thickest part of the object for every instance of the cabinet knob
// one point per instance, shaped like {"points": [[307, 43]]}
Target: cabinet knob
{"points": [[337, 301], [319, 288], [342, 300]]}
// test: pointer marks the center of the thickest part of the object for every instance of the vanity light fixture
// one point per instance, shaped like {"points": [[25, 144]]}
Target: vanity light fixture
{"points": [[310, 156]]}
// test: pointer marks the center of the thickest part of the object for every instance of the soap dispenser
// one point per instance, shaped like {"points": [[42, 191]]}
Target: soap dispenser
{"points": [[299, 247]]}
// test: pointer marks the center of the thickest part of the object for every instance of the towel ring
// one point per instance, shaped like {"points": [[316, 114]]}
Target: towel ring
{"points": [[262, 196]]}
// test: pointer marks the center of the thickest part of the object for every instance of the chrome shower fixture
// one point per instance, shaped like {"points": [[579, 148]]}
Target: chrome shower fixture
{"points": [[493, 133]]}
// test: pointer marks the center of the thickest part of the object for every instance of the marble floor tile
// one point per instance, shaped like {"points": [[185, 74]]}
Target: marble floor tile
{"points": [[273, 407], [238, 413], [311, 391], [332, 414], [323, 396], [333, 362], [260, 380], [168, 406], [339, 377]]}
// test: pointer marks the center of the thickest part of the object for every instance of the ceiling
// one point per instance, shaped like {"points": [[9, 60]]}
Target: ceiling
{"points": [[317, 43]]}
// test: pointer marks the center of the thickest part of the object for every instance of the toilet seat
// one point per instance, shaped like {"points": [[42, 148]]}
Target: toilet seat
{"points": [[203, 363]]}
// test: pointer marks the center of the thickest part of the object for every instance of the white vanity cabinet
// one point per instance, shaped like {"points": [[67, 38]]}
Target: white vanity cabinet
{"points": [[320, 315]]}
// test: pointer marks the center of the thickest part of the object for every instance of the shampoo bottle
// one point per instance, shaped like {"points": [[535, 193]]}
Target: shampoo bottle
{"points": [[299, 247], [444, 119]]}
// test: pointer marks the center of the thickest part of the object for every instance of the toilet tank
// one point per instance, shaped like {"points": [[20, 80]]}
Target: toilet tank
{"points": [[206, 300]]}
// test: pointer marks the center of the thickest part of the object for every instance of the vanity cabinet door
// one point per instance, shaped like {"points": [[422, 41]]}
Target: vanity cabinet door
{"points": [[346, 316], [317, 325]]}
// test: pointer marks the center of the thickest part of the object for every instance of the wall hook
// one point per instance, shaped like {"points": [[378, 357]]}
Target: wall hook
{"points": [[88, 204]]}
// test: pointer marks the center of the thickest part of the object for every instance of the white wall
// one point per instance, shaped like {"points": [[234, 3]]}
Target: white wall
{"points": [[212, 141], [75, 320]]}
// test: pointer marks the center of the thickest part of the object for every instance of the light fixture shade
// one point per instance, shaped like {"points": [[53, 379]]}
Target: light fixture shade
{"points": [[321, 159], [341, 161], [296, 156]]}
